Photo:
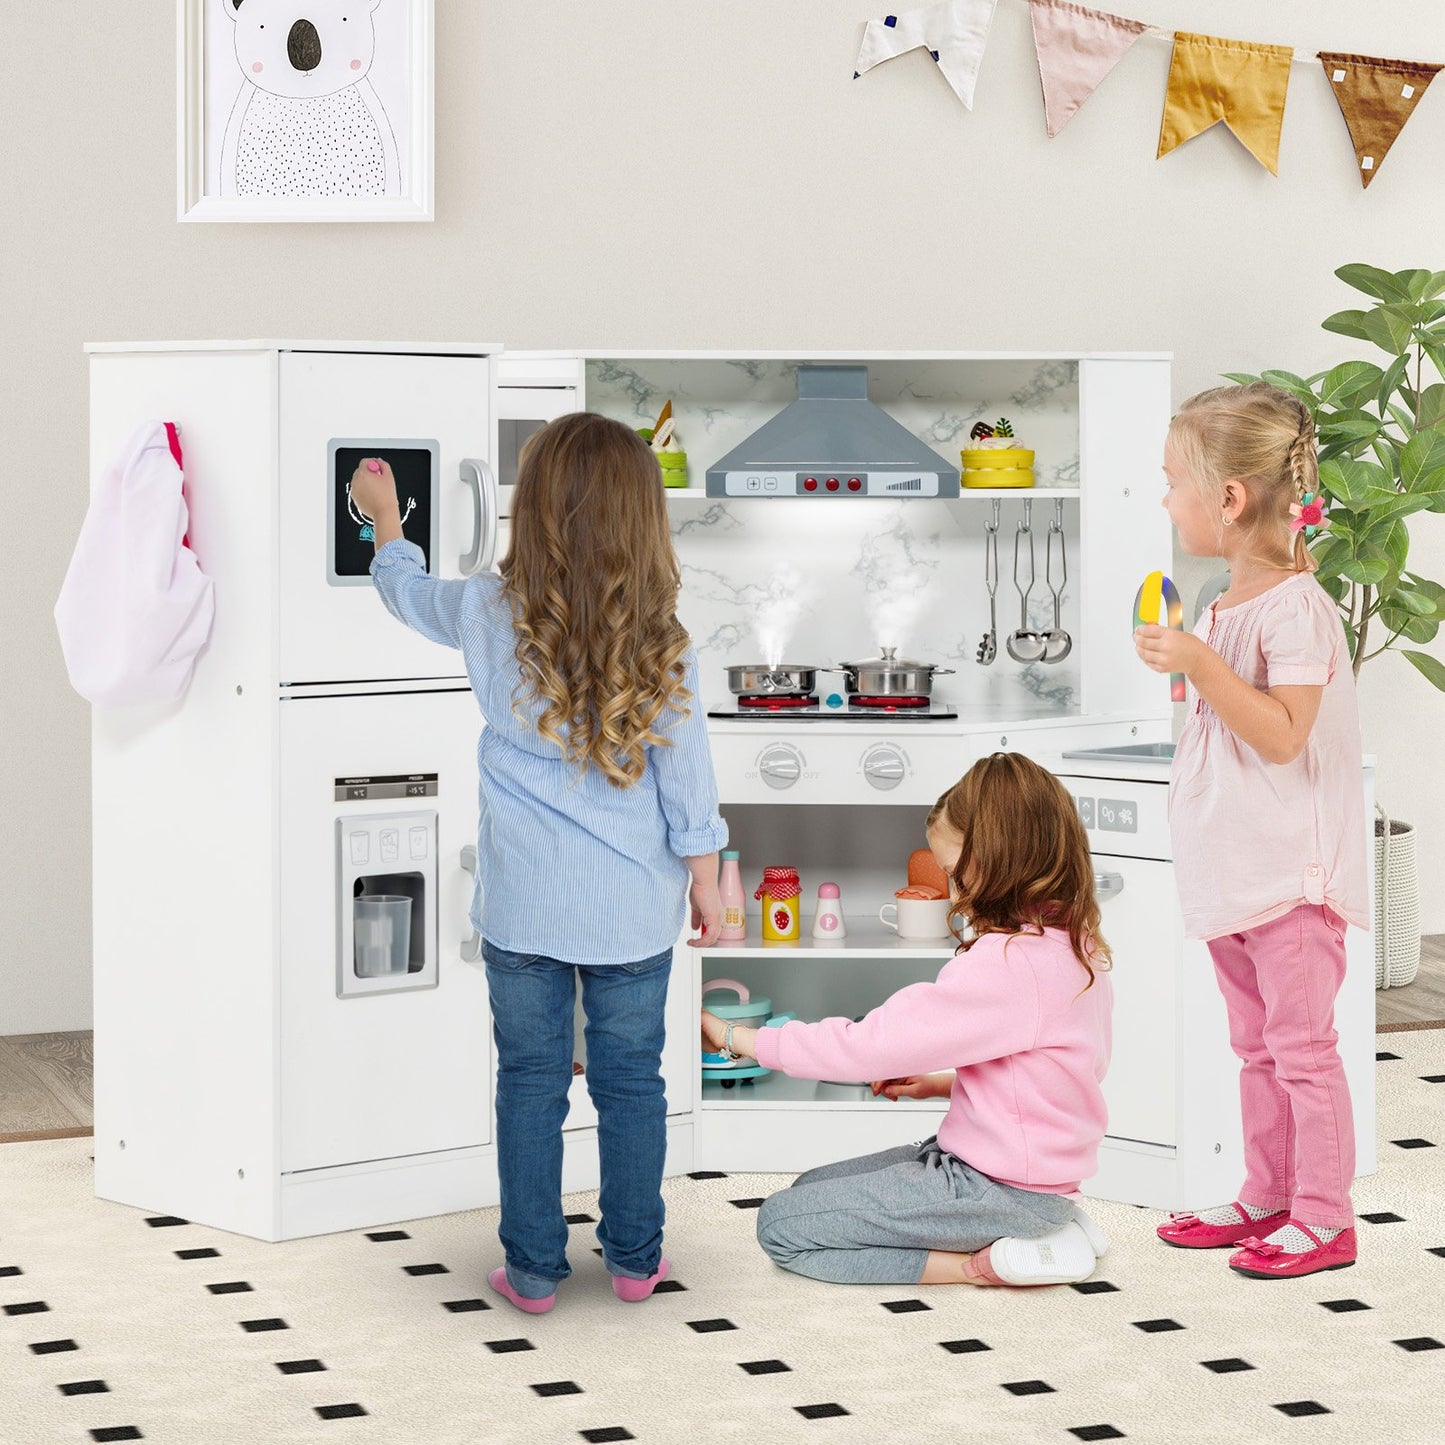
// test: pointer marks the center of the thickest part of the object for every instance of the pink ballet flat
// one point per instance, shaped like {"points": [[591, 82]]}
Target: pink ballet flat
{"points": [[498, 1281], [1262, 1260], [1189, 1231], [632, 1290]]}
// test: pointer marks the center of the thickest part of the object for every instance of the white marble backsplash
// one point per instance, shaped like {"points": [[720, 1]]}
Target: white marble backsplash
{"points": [[834, 582]]}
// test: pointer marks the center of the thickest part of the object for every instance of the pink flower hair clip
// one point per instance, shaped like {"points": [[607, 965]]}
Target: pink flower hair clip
{"points": [[1308, 515]]}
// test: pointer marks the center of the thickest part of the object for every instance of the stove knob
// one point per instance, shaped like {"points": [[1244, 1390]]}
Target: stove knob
{"points": [[883, 767], [831, 484], [780, 766], [810, 484], [855, 484]]}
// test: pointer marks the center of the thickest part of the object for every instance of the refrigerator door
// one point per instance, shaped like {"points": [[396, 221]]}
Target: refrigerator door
{"points": [[378, 796], [429, 417]]}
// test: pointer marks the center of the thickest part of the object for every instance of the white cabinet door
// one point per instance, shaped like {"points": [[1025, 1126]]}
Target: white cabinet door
{"points": [[1142, 926], [431, 413], [379, 1075]]}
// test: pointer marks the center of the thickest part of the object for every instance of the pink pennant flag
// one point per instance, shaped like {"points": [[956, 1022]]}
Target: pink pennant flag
{"points": [[1077, 48], [953, 33]]}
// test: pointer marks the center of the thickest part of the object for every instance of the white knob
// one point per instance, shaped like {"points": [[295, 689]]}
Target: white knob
{"points": [[780, 766], [884, 768]]}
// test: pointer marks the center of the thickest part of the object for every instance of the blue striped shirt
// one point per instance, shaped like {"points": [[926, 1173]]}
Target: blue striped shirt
{"points": [[568, 865]]}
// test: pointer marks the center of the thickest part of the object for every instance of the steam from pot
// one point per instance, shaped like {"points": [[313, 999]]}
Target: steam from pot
{"points": [[789, 594]]}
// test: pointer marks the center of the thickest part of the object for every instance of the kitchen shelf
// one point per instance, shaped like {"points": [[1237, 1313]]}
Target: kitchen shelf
{"points": [[778, 1091], [965, 494], [867, 935]]}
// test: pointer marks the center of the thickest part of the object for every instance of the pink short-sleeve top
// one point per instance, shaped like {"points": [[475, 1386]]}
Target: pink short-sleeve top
{"points": [[1252, 839]]}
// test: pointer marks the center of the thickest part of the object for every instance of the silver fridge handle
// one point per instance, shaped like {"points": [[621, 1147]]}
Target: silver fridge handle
{"points": [[478, 475], [471, 947], [1108, 885]]}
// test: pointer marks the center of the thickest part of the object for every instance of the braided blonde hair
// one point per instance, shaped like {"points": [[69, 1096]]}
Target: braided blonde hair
{"points": [[593, 581], [1264, 438]]}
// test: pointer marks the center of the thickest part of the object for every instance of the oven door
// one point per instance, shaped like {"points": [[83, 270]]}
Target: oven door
{"points": [[429, 416]]}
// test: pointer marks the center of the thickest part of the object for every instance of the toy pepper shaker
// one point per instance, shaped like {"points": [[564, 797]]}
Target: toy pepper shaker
{"points": [[779, 892], [828, 920]]}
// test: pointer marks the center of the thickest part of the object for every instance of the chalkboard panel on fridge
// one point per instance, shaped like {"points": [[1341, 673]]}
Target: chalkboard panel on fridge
{"points": [[415, 466]]}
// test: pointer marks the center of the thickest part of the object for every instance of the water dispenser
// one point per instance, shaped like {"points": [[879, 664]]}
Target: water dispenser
{"points": [[386, 896]]}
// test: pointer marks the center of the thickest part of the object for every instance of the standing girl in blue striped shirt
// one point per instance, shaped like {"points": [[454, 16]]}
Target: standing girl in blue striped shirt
{"points": [[598, 822]]}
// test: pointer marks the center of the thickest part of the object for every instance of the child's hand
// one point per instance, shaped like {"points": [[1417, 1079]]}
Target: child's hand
{"points": [[1166, 649], [706, 905], [713, 1030], [915, 1086], [373, 488]]}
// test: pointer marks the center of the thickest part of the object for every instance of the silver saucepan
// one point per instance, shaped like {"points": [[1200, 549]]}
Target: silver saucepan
{"points": [[757, 680], [889, 676]]}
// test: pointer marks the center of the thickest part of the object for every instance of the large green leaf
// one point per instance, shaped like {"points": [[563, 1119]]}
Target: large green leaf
{"points": [[1390, 379], [1240, 378], [1416, 284], [1374, 282], [1416, 603], [1429, 667], [1350, 382], [1348, 478], [1427, 313], [1367, 571], [1347, 323], [1391, 328], [1430, 407], [1424, 453], [1297, 386], [1348, 427], [1435, 350]]}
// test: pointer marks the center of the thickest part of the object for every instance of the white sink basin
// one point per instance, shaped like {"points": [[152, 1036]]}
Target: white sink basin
{"points": [[1128, 753]]}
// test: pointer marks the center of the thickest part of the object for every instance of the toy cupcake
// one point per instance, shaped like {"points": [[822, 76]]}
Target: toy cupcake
{"points": [[995, 458]]}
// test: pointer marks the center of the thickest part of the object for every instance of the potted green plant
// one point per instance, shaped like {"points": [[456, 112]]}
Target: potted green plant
{"points": [[1381, 431]]}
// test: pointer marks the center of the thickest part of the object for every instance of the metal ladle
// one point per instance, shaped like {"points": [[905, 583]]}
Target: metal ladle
{"points": [[988, 648], [1057, 643], [1025, 645]]}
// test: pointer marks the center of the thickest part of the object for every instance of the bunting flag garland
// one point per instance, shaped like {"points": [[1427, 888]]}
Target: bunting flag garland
{"points": [[1076, 49], [1236, 81], [954, 33], [1376, 98]]}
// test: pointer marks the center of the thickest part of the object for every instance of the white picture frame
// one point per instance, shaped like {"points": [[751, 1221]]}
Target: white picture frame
{"points": [[370, 150]]}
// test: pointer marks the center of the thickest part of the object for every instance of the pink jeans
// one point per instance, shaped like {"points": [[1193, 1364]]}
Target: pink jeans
{"points": [[1279, 983]]}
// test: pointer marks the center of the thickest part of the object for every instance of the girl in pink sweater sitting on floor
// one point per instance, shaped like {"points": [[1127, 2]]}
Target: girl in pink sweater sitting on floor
{"points": [[1015, 1033]]}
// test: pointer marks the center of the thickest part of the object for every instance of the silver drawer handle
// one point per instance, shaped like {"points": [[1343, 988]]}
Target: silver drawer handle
{"points": [[1108, 885], [471, 947]]}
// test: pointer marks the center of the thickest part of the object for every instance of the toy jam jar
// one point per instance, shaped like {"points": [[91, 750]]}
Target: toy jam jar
{"points": [[779, 892]]}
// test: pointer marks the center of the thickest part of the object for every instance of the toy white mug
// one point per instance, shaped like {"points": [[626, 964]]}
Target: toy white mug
{"points": [[917, 918]]}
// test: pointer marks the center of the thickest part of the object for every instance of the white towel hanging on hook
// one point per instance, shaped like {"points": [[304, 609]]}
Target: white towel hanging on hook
{"points": [[135, 608]]}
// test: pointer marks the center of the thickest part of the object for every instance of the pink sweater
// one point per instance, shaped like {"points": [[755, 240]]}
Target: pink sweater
{"points": [[1029, 1051]]}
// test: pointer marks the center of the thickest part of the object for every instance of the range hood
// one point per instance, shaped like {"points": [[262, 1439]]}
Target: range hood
{"points": [[832, 442]]}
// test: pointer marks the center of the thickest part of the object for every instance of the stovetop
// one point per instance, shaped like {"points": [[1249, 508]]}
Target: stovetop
{"points": [[787, 710]]}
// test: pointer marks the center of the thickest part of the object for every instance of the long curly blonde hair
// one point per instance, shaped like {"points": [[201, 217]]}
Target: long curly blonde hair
{"points": [[593, 581], [1261, 436], [1024, 862]]}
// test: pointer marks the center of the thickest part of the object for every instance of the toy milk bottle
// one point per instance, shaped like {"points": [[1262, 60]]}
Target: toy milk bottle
{"points": [[779, 892], [734, 899]]}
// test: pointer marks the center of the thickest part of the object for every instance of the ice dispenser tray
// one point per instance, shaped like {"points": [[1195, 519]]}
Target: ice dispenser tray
{"points": [[386, 897]]}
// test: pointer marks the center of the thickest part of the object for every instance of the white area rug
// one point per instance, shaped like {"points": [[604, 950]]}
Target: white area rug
{"points": [[119, 1326]]}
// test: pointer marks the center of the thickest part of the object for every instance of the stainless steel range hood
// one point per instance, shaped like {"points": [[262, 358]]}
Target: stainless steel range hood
{"points": [[832, 442]]}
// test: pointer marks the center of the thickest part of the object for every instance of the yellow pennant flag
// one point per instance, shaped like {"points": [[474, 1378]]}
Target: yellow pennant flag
{"points": [[1376, 98], [1243, 84]]}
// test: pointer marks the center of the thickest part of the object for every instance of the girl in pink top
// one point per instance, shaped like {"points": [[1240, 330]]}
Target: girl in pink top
{"points": [[1017, 1026], [1267, 815]]}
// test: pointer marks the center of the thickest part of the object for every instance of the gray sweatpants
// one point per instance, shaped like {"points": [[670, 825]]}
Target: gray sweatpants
{"points": [[873, 1220]]}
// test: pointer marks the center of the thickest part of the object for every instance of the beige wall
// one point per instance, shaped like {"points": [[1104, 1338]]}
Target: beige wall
{"points": [[620, 173]]}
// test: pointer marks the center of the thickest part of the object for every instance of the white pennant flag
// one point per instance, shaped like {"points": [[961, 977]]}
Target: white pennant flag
{"points": [[954, 33]]}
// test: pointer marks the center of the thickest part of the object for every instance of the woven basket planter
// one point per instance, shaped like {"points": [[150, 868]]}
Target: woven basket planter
{"points": [[1397, 903]]}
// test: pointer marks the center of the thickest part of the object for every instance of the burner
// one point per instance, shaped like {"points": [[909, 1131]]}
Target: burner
{"points": [[777, 701], [887, 704]]}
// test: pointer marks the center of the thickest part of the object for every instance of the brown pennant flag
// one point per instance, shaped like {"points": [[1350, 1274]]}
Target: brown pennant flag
{"points": [[1376, 98]]}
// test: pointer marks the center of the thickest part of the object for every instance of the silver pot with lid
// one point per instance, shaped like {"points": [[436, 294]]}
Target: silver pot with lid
{"points": [[889, 676]]}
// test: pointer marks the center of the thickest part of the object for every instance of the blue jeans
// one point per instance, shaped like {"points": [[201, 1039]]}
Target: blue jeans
{"points": [[533, 998]]}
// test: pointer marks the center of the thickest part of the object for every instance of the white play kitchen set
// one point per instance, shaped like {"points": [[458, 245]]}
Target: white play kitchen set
{"points": [[291, 1019]]}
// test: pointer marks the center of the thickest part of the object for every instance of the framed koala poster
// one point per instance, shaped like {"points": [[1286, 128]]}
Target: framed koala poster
{"points": [[304, 110]]}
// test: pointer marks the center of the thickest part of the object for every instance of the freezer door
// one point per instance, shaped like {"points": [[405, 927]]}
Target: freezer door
{"points": [[427, 415], [386, 1067]]}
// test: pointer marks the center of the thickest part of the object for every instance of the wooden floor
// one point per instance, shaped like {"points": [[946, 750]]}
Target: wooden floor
{"points": [[45, 1079], [1420, 1004], [45, 1086]]}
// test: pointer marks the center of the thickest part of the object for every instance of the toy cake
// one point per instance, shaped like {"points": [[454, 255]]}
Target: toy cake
{"points": [[995, 459]]}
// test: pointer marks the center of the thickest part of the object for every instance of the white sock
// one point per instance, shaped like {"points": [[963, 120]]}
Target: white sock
{"points": [[1225, 1214], [1296, 1241]]}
